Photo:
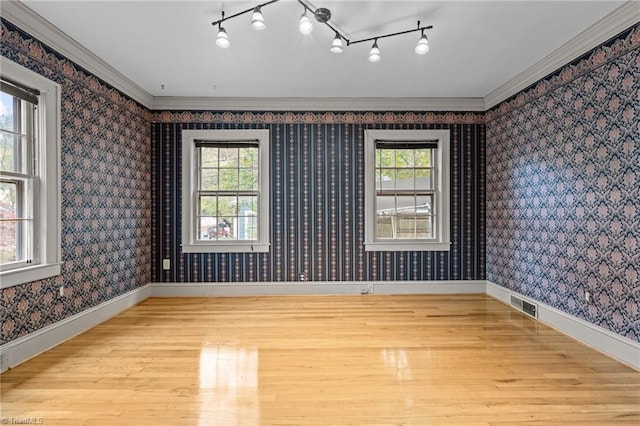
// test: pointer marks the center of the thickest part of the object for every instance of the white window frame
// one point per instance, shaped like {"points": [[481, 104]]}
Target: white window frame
{"points": [[190, 243], [46, 250], [442, 241]]}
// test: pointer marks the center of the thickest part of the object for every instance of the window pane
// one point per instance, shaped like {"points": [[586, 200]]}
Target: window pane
{"points": [[249, 157], [229, 179], [424, 227], [385, 158], [226, 228], [227, 206], [7, 112], [209, 157], [404, 179], [229, 157], [207, 228], [8, 229], [384, 226], [385, 204], [404, 157], [248, 205], [424, 179], [209, 179], [406, 204], [248, 228], [424, 204], [387, 178], [406, 226], [208, 206], [248, 179], [423, 157], [11, 153]]}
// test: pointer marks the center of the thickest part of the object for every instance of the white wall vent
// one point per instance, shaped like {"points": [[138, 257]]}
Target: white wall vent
{"points": [[522, 305]]}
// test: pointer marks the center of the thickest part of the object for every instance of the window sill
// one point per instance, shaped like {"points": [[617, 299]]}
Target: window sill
{"points": [[407, 246], [225, 248], [19, 276]]}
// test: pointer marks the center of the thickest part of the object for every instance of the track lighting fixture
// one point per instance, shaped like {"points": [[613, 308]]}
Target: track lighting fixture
{"points": [[423, 45], [323, 16], [222, 40], [305, 26], [374, 53], [336, 46], [257, 20]]}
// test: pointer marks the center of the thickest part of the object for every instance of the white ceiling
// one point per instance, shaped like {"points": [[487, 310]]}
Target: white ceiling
{"points": [[476, 46]]}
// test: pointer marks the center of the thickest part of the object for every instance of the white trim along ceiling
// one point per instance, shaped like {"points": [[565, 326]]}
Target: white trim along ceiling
{"points": [[620, 19]]}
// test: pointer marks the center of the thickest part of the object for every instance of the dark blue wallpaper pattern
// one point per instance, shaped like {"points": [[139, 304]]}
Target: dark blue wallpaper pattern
{"points": [[106, 194], [563, 193], [317, 193]]}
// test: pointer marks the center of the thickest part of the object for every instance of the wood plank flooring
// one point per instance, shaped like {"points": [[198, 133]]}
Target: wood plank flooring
{"points": [[420, 360]]}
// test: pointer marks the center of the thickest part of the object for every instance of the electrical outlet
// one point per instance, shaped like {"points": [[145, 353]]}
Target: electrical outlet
{"points": [[166, 264], [367, 290], [587, 296], [302, 277], [61, 291]]}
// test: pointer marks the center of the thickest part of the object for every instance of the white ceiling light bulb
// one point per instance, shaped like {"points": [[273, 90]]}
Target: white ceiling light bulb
{"points": [[423, 45], [257, 20], [222, 40], [374, 53], [305, 26], [336, 46]]}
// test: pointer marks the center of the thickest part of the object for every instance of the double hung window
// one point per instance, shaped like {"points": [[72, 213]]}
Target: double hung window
{"points": [[29, 176], [407, 190], [225, 190]]}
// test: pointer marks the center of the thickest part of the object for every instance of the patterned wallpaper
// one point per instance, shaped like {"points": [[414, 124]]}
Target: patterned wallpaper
{"points": [[317, 174], [561, 169], [106, 194], [563, 197]]}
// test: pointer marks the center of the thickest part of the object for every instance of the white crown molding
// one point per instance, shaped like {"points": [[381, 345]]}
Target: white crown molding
{"points": [[617, 21], [318, 104], [26, 19], [32, 23]]}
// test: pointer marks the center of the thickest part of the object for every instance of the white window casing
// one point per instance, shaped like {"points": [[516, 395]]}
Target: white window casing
{"points": [[441, 242], [190, 172], [46, 251]]}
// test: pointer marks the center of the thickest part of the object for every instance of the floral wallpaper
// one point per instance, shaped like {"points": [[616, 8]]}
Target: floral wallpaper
{"points": [[106, 194], [545, 197], [563, 188]]}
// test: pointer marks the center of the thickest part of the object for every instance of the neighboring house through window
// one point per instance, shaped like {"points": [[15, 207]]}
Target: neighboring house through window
{"points": [[225, 192], [29, 176], [407, 190]]}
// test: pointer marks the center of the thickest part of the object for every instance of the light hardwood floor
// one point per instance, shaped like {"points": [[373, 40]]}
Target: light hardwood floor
{"points": [[451, 360]]}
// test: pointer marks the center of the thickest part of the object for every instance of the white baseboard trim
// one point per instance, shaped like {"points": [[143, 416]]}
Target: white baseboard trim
{"points": [[19, 350], [23, 348], [311, 288], [609, 343]]}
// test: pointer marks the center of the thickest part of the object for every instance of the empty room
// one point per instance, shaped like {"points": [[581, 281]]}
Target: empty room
{"points": [[329, 212]]}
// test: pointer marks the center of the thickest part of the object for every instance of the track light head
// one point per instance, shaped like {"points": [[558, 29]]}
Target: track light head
{"points": [[257, 20], [305, 26], [374, 53], [336, 46], [423, 45], [222, 39]]}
